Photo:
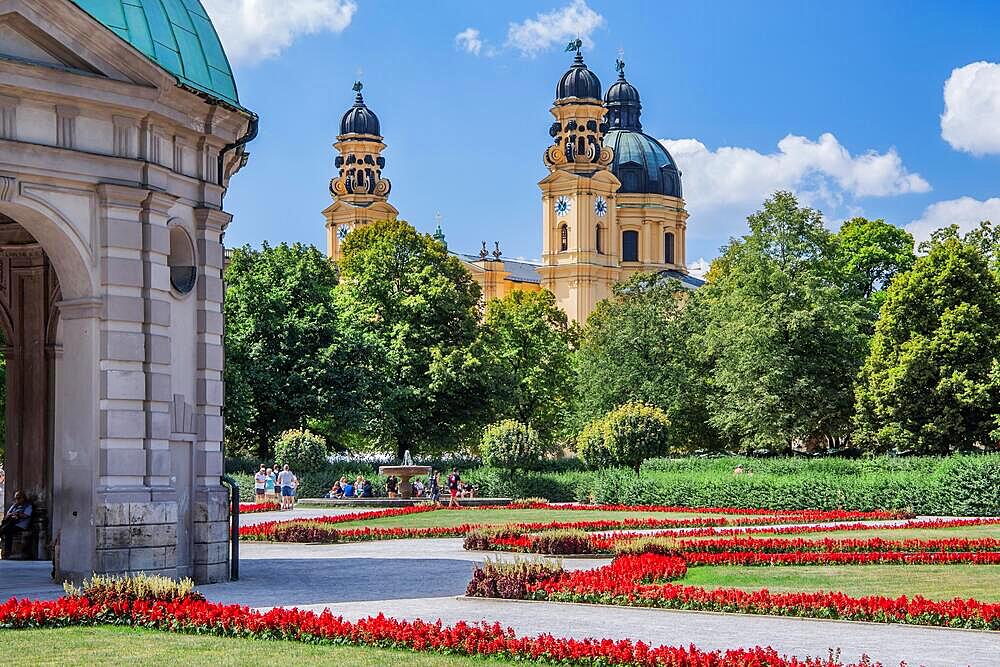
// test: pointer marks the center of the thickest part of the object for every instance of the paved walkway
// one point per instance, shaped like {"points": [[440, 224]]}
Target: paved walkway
{"points": [[424, 579]]}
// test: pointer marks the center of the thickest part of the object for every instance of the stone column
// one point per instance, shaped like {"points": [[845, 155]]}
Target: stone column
{"points": [[134, 531], [211, 508]]}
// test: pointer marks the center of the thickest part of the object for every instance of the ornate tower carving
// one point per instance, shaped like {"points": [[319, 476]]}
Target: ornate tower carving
{"points": [[360, 193], [579, 253]]}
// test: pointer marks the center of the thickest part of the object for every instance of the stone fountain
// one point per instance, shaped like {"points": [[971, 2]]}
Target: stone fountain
{"points": [[405, 472]]}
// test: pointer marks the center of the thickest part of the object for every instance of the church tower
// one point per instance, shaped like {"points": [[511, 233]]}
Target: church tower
{"points": [[652, 220], [579, 217], [360, 194]]}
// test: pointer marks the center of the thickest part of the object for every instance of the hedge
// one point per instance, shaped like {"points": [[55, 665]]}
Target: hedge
{"points": [[967, 485]]}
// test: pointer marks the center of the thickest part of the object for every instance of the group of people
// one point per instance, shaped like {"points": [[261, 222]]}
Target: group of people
{"points": [[271, 483], [345, 488], [431, 489]]}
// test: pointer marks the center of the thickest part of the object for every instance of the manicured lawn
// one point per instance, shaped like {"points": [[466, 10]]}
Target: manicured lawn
{"points": [[493, 517], [936, 582], [127, 646]]}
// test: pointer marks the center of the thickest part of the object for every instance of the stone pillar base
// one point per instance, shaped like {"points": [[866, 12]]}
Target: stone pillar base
{"points": [[137, 537], [211, 537]]}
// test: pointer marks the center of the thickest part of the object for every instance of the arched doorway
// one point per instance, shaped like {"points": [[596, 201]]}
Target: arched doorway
{"points": [[29, 292]]}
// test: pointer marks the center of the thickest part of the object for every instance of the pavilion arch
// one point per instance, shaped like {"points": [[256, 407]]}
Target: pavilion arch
{"points": [[67, 254]]}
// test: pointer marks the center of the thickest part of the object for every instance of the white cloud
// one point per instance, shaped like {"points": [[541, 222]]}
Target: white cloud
{"points": [[965, 212], [723, 186], [254, 30], [699, 268], [469, 41], [554, 28], [971, 118]]}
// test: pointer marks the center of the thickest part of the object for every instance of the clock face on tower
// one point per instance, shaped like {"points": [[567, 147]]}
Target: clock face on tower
{"points": [[563, 205], [600, 206], [342, 231]]}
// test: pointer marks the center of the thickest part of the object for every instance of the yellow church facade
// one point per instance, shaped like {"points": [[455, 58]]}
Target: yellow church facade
{"points": [[612, 203]]}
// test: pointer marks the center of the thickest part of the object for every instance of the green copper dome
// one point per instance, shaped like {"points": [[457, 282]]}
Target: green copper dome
{"points": [[175, 34]]}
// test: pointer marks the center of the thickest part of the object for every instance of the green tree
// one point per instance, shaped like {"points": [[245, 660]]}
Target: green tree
{"points": [[871, 253], [301, 450], [637, 346], [511, 445], [526, 345], [286, 360], [414, 310], [929, 384], [636, 432], [783, 333]]}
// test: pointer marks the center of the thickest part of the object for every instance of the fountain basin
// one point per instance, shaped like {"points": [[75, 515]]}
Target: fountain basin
{"points": [[404, 473]]}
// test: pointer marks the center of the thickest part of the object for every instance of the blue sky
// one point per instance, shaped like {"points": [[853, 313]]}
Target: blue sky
{"points": [[841, 103]]}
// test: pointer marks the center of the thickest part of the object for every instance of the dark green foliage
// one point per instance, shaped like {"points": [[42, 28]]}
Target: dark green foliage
{"points": [[929, 384], [637, 347], [286, 359], [300, 450], [526, 347], [783, 333], [511, 445], [413, 309]]}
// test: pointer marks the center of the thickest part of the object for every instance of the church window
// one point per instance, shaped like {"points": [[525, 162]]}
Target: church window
{"points": [[668, 247], [563, 238], [630, 246], [183, 272], [597, 239]]}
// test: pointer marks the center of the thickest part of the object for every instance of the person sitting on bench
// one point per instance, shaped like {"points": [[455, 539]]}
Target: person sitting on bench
{"points": [[16, 520]]}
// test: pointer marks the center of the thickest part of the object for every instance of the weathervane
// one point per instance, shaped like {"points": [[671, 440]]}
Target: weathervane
{"points": [[575, 45], [357, 86]]}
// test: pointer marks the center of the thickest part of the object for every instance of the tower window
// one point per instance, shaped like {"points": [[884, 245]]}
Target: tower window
{"points": [[668, 247], [630, 246], [563, 238], [597, 240], [183, 272]]}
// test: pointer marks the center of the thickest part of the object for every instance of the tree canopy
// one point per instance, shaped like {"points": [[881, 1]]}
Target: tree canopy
{"points": [[526, 345], [413, 309], [929, 384], [285, 356], [783, 334]]}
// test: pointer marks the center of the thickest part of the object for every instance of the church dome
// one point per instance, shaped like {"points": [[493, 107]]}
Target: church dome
{"points": [[642, 164], [579, 82], [359, 119], [622, 102], [177, 36]]}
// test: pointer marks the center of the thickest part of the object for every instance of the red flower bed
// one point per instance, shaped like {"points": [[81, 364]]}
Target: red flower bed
{"points": [[639, 581], [842, 558], [319, 530], [481, 639], [251, 508]]}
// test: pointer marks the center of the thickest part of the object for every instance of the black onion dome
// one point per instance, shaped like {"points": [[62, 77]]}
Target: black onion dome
{"points": [[622, 102], [359, 119], [579, 82]]}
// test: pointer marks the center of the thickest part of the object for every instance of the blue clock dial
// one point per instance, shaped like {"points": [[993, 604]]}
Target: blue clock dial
{"points": [[563, 205], [342, 231], [601, 206]]}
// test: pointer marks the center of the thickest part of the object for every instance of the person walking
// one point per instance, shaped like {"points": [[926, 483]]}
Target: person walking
{"points": [[259, 484], [434, 487], [286, 480], [454, 479]]}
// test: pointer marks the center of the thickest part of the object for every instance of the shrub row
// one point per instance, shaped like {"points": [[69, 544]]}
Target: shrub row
{"points": [[951, 486]]}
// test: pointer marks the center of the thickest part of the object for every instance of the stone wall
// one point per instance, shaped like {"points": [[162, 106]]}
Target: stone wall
{"points": [[211, 538], [137, 537]]}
